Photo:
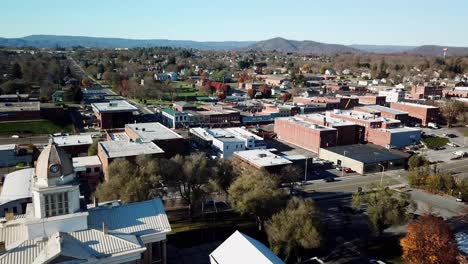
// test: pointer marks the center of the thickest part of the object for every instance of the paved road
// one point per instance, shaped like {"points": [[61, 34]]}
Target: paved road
{"points": [[350, 184], [37, 140], [445, 206]]}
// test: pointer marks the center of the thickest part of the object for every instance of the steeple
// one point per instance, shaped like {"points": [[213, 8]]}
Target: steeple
{"points": [[53, 167]]}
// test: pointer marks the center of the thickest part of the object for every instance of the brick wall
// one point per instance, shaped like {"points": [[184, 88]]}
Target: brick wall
{"points": [[305, 137], [418, 114]]}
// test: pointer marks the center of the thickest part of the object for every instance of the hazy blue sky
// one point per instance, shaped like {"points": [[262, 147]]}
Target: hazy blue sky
{"points": [[402, 22]]}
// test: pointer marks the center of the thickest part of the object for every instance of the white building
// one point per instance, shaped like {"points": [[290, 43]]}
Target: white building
{"points": [[240, 248], [393, 95], [58, 228], [225, 141]]}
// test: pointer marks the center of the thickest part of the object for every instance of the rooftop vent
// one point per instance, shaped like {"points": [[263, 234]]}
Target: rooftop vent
{"points": [[262, 155]]}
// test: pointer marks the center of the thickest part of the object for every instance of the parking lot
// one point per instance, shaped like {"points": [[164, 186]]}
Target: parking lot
{"points": [[446, 154]]}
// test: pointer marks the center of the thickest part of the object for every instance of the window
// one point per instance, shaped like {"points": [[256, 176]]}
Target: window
{"points": [[56, 204], [97, 169], [88, 170]]}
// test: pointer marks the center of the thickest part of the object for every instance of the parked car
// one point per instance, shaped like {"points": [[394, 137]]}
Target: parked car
{"points": [[15, 136], [451, 144], [347, 170]]}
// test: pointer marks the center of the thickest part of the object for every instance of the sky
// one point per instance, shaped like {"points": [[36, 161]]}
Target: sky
{"points": [[384, 22]]}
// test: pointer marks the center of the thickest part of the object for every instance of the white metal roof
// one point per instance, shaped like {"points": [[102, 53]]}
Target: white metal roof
{"points": [[7, 147], [143, 218], [240, 248], [17, 185]]}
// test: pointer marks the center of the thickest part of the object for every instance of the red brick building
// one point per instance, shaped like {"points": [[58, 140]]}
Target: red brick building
{"points": [[184, 106], [461, 92], [423, 91], [17, 111], [305, 134], [165, 138], [329, 102], [383, 111], [114, 114], [372, 99], [348, 133], [418, 113]]}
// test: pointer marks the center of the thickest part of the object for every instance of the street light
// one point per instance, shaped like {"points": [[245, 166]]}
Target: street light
{"points": [[305, 172], [381, 177]]}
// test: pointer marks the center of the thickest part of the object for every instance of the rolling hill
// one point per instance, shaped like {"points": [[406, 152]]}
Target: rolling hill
{"points": [[278, 44], [306, 46], [48, 41]]}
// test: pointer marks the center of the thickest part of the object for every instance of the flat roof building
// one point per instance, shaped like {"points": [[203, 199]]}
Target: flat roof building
{"points": [[261, 159], [418, 114], [305, 134], [384, 111], [364, 158], [167, 139], [15, 111], [225, 141], [75, 145], [110, 150], [89, 171], [114, 114]]}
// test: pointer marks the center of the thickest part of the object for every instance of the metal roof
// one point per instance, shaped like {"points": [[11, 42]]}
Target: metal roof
{"points": [[240, 248], [143, 218], [17, 185]]}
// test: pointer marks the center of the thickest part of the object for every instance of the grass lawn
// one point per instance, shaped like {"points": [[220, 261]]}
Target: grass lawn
{"points": [[34, 127], [435, 142]]}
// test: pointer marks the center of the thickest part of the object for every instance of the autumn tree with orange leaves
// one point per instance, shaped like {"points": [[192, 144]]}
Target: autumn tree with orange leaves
{"points": [[429, 241]]}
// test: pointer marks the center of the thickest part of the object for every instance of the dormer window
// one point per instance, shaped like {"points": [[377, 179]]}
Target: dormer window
{"points": [[56, 204]]}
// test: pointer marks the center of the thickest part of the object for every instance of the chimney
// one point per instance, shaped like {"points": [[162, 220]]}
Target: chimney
{"points": [[2, 247], [104, 228], [9, 216], [96, 201]]}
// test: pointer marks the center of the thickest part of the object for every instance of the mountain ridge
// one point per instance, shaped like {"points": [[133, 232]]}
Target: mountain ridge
{"points": [[278, 43]]}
